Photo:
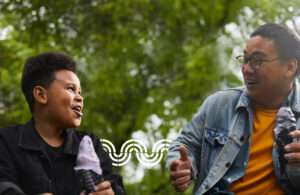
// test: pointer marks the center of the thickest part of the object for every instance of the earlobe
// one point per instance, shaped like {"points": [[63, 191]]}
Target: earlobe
{"points": [[40, 94]]}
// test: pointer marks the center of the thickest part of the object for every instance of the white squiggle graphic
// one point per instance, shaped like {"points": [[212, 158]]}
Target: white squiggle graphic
{"points": [[138, 147]]}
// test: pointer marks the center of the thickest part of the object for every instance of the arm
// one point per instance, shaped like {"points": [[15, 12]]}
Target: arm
{"points": [[190, 137], [8, 172], [9, 188], [292, 155], [184, 152]]}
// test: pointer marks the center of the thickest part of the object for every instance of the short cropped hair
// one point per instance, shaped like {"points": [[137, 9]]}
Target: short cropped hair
{"points": [[40, 70], [286, 42]]}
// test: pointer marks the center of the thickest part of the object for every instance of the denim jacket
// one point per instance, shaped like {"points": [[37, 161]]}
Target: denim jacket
{"points": [[218, 140]]}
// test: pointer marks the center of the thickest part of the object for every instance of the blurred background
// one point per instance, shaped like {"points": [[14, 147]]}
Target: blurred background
{"points": [[145, 65]]}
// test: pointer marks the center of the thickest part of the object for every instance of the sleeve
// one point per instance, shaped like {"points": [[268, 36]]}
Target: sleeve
{"points": [[293, 174], [191, 137], [8, 171], [106, 165], [9, 188]]}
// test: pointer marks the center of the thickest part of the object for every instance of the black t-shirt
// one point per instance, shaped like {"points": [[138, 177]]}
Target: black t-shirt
{"points": [[63, 170]]}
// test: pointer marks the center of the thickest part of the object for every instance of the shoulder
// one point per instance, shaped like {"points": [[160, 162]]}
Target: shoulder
{"points": [[224, 97], [220, 102], [226, 94], [10, 133], [77, 134], [9, 129]]}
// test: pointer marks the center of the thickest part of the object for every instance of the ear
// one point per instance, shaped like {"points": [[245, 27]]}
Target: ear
{"points": [[40, 94], [292, 67]]}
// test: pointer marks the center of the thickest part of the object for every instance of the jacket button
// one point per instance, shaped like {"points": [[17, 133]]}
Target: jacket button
{"points": [[242, 138], [228, 164], [206, 187]]}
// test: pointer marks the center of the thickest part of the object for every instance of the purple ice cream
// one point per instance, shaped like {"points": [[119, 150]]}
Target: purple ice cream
{"points": [[88, 165], [87, 158]]}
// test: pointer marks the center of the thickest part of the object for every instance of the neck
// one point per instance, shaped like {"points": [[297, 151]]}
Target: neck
{"points": [[273, 101], [267, 105], [50, 133]]}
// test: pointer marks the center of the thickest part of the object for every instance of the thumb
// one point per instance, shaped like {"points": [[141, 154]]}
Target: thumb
{"points": [[174, 165], [183, 153]]}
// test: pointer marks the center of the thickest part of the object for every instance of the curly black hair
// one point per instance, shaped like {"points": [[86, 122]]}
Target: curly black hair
{"points": [[40, 70]]}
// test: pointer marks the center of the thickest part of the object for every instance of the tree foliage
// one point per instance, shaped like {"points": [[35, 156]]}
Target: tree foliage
{"points": [[138, 58]]}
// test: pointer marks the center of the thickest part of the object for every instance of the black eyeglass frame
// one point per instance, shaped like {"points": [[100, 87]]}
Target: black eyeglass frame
{"points": [[253, 61]]}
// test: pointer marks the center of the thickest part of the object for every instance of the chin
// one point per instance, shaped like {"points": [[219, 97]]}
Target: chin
{"points": [[74, 124], [253, 94], [257, 97]]}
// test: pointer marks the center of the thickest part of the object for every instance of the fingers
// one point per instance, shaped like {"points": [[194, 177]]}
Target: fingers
{"points": [[103, 192], [174, 165], [181, 180], [182, 183], [292, 147], [294, 164], [183, 162], [180, 165], [103, 188], [180, 173], [185, 165], [183, 187], [292, 158], [295, 134], [183, 153]]}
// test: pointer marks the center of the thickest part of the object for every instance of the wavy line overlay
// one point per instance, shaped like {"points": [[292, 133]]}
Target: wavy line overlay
{"points": [[139, 149]]}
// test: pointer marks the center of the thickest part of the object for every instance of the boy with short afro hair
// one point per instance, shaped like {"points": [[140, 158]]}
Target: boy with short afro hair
{"points": [[39, 156]]}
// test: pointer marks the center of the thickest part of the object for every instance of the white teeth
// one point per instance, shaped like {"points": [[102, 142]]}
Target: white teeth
{"points": [[77, 110]]}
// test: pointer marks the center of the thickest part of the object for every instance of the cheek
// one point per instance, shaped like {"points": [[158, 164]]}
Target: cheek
{"points": [[243, 69], [66, 99], [272, 81], [61, 104]]}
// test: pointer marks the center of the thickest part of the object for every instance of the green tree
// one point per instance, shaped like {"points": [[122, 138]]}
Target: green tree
{"points": [[138, 58]]}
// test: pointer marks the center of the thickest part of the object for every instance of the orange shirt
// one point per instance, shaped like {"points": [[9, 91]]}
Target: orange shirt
{"points": [[260, 177]]}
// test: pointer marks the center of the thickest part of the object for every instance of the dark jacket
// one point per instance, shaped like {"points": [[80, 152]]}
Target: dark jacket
{"points": [[24, 161]]}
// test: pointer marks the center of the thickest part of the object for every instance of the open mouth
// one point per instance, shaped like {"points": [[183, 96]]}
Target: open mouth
{"points": [[251, 82], [77, 110]]}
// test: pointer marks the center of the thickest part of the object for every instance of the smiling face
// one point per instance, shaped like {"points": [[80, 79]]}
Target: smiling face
{"points": [[272, 79], [64, 103]]}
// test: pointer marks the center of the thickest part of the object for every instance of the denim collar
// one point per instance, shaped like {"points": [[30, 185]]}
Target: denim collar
{"points": [[293, 99], [29, 139]]}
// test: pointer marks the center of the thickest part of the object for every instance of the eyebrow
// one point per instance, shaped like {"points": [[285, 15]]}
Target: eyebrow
{"points": [[256, 53], [68, 83], [73, 84]]}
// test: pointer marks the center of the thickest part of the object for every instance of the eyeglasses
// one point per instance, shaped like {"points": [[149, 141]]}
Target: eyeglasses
{"points": [[254, 62]]}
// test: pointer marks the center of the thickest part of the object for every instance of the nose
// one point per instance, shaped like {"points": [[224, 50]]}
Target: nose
{"points": [[79, 98], [247, 68]]}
